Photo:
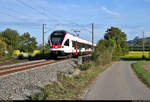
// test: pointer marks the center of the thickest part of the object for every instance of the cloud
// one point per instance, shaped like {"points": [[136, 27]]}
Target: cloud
{"points": [[110, 12]]}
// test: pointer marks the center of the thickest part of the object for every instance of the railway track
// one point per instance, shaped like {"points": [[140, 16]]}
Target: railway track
{"points": [[6, 70]]}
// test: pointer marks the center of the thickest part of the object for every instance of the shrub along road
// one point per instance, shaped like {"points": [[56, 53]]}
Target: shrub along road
{"points": [[119, 82]]}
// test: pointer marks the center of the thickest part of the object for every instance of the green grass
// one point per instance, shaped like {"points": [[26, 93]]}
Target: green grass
{"points": [[67, 88], [7, 59], [143, 74]]}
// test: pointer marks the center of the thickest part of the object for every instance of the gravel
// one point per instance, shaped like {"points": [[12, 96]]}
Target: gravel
{"points": [[20, 85]]}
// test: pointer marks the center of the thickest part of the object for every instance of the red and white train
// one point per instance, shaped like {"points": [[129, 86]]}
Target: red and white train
{"points": [[65, 43]]}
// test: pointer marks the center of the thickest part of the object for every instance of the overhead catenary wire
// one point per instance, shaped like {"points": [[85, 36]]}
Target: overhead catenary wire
{"points": [[36, 25], [53, 28], [16, 17], [45, 15], [55, 19], [10, 15], [27, 5], [35, 9], [72, 22]]}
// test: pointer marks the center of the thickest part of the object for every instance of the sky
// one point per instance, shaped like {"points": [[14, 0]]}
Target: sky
{"points": [[131, 16]]}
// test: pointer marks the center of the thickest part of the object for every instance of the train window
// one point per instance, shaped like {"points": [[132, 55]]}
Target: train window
{"points": [[89, 46], [73, 43], [67, 42], [48, 42], [57, 37], [86, 46], [80, 46]]}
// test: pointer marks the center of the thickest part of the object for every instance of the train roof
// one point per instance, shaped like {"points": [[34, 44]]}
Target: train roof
{"points": [[64, 31]]}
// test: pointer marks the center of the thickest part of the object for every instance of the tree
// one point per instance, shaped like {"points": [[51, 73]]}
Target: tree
{"points": [[27, 43], [120, 46], [11, 38], [2, 47], [103, 52]]}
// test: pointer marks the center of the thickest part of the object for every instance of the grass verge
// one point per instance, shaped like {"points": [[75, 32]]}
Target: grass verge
{"points": [[142, 74], [7, 59], [70, 88]]}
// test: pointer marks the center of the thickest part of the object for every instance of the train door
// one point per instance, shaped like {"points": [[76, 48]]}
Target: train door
{"points": [[67, 46], [76, 47]]}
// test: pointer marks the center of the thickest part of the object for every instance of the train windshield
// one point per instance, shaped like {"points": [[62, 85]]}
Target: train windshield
{"points": [[57, 38]]}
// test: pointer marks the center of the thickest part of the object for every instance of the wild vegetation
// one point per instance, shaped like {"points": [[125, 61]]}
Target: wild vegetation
{"points": [[112, 47], [11, 40], [70, 88], [2, 47], [22, 45]]}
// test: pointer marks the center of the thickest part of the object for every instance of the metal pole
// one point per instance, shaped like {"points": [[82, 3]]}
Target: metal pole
{"points": [[43, 38], [92, 36]]}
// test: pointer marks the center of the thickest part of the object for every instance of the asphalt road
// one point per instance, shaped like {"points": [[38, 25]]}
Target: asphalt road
{"points": [[118, 82]]}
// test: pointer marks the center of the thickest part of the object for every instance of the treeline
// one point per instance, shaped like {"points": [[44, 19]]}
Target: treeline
{"points": [[137, 44], [11, 40], [112, 47]]}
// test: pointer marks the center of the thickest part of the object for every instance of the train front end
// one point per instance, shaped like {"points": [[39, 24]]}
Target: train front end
{"points": [[56, 40]]}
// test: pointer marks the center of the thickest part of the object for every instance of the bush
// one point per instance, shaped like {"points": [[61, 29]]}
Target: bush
{"points": [[2, 48], [20, 56], [85, 66], [111, 47], [102, 54]]}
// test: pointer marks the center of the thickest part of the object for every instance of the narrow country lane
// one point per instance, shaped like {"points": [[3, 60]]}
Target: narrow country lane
{"points": [[118, 82]]}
